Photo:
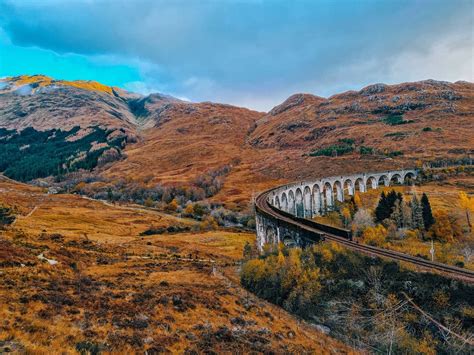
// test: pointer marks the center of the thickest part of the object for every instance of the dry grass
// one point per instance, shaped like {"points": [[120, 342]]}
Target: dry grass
{"points": [[443, 196], [126, 293], [42, 80]]}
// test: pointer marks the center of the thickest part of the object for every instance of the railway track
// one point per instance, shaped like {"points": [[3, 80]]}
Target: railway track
{"points": [[263, 206]]}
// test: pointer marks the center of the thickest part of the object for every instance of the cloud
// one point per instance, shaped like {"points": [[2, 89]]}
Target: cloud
{"points": [[253, 52]]}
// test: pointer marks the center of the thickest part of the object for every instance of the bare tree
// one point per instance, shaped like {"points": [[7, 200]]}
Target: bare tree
{"points": [[362, 219], [467, 253]]}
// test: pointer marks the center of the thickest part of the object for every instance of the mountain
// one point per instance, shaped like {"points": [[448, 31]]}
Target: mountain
{"points": [[171, 140], [44, 103], [378, 127], [411, 116], [159, 139]]}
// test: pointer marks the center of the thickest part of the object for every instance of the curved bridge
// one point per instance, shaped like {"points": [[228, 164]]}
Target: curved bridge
{"points": [[282, 216]]}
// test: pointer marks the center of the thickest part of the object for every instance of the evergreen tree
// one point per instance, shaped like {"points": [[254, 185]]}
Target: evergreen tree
{"points": [[382, 208], [428, 218], [386, 205], [396, 215], [417, 214]]}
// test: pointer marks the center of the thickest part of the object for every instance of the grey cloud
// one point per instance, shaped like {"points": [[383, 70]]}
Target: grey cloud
{"points": [[229, 50]]}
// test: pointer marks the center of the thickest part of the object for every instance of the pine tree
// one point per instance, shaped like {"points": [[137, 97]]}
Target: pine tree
{"points": [[428, 218], [381, 211], [392, 198], [396, 215], [386, 205], [417, 214]]}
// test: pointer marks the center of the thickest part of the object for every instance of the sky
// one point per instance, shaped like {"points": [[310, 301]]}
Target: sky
{"points": [[251, 53]]}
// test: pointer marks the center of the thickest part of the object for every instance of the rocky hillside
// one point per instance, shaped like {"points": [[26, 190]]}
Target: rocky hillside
{"points": [[160, 139], [43, 104], [87, 119], [423, 119]]}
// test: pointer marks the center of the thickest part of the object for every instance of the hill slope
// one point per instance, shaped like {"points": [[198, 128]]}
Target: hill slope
{"points": [[169, 141], [411, 116]]}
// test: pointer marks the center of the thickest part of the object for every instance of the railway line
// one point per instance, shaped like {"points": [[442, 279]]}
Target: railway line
{"points": [[264, 207]]}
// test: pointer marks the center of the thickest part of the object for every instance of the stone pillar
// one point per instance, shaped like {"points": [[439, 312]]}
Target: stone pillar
{"points": [[340, 193], [329, 202]]}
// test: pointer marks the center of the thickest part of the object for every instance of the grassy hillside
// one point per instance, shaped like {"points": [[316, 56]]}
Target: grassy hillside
{"points": [[77, 276]]}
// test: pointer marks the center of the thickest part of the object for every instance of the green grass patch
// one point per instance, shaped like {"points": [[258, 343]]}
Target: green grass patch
{"points": [[332, 151], [366, 150], [345, 146], [394, 153], [395, 120]]}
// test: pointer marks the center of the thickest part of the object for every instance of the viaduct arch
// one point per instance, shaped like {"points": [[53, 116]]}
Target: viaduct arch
{"points": [[311, 198]]}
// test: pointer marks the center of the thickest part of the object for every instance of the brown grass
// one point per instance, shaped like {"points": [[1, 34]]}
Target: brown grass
{"points": [[169, 292]]}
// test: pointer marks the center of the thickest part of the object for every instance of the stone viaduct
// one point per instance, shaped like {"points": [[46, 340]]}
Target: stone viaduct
{"points": [[307, 199]]}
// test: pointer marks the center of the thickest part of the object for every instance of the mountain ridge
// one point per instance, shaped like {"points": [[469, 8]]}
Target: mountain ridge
{"points": [[166, 140]]}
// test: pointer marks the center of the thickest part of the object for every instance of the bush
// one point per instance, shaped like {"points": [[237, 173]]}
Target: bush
{"points": [[172, 206], [161, 230], [394, 153], [209, 223], [333, 150], [366, 150], [7, 216], [362, 219], [88, 348], [362, 297], [446, 228], [375, 236], [212, 181], [395, 120]]}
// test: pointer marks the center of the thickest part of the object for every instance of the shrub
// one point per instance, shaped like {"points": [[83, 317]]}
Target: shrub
{"points": [[446, 228], [251, 223], [394, 153], [172, 206], [375, 236], [366, 150], [88, 348], [212, 181], [362, 297], [209, 223], [332, 150], [362, 220], [7, 216], [395, 120]]}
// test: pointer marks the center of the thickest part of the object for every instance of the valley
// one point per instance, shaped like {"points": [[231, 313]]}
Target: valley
{"points": [[114, 289], [133, 222]]}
